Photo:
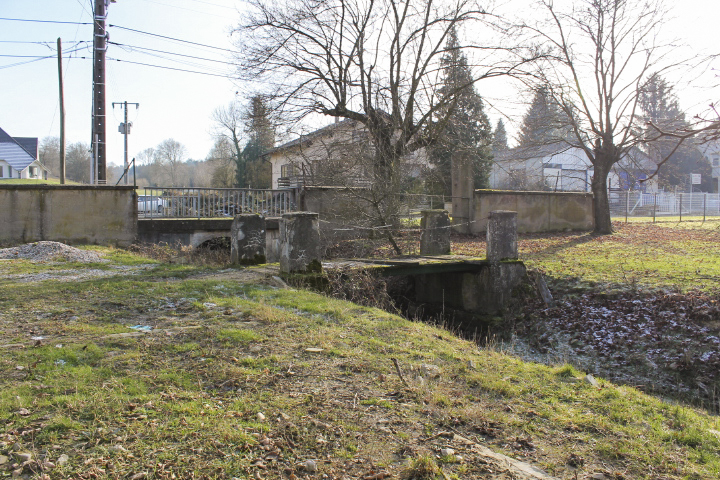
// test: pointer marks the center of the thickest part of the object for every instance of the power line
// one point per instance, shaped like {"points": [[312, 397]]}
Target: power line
{"points": [[170, 53], [169, 68], [171, 38], [36, 59], [38, 43], [44, 21]]}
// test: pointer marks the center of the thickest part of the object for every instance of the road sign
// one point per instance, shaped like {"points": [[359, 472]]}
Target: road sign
{"points": [[696, 178]]}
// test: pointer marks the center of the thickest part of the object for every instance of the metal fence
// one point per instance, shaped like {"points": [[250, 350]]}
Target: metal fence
{"points": [[663, 204], [212, 202]]}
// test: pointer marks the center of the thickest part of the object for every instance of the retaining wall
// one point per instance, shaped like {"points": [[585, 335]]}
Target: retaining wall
{"points": [[537, 211], [72, 214]]}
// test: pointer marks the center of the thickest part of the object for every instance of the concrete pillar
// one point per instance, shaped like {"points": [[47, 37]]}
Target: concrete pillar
{"points": [[247, 239], [502, 236], [462, 182], [272, 239], [435, 235], [300, 242]]}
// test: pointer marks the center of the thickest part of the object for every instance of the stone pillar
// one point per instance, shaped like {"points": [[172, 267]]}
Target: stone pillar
{"points": [[272, 239], [300, 242], [435, 236], [502, 236], [463, 195], [247, 239]]}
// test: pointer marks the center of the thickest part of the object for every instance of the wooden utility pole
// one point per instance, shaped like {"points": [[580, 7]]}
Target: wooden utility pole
{"points": [[62, 112], [125, 130], [98, 130]]}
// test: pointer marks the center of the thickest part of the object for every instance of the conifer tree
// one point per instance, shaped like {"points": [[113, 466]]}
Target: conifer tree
{"points": [[467, 133], [500, 141], [544, 123], [660, 106], [261, 133]]}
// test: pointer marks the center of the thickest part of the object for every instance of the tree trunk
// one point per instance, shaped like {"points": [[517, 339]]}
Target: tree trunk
{"points": [[601, 203]]}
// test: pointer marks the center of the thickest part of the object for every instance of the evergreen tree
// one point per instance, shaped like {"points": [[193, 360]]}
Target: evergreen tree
{"points": [[261, 133], [659, 105], [467, 134], [544, 123], [500, 141]]}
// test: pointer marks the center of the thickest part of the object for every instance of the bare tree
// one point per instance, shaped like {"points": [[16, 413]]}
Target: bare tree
{"points": [[376, 62], [170, 155], [603, 52], [49, 154], [229, 127], [79, 156], [222, 157]]}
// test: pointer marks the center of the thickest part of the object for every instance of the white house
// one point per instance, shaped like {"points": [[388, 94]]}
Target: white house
{"points": [[337, 154], [19, 158], [564, 168], [711, 151]]}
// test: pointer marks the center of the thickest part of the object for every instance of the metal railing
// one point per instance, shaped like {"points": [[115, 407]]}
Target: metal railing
{"points": [[212, 202], [663, 204]]}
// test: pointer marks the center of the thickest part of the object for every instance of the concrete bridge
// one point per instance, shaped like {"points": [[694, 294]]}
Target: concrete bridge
{"points": [[197, 232]]}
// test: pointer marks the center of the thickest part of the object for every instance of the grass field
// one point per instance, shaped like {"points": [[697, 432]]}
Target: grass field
{"points": [[678, 256], [27, 181], [227, 376]]}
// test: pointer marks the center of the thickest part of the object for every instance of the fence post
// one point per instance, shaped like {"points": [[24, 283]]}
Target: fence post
{"points": [[654, 207], [681, 207], [704, 206], [627, 204]]}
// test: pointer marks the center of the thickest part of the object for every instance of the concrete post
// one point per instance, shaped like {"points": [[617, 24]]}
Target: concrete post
{"points": [[300, 242], [435, 236], [247, 239], [502, 236], [463, 195]]}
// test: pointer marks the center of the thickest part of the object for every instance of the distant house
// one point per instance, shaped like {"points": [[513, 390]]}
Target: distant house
{"points": [[711, 151], [336, 155], [19, 158], [564, 168]]}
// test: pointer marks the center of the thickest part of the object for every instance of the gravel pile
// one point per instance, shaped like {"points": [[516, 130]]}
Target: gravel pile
{"points": [[49, 251]]}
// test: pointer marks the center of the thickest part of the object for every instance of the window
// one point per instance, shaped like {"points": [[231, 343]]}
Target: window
{"points": [[32, 172], [716, 162], [1, 171], [288, 170]]}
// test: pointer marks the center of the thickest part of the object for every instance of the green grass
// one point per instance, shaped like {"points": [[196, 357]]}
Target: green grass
{"points": [[673, 255], [185, 399], [642, 255], [29, 181]]}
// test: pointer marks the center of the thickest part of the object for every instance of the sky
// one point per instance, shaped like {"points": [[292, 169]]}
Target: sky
{"points": [[179, 105]]}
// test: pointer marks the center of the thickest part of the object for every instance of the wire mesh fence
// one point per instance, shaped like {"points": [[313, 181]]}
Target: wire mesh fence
{"points": [[664, 205]]}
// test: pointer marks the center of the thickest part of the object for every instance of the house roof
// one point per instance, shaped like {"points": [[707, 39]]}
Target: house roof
{"points": [[303, 139], [30, 144], [15, 151], [635, 158]]}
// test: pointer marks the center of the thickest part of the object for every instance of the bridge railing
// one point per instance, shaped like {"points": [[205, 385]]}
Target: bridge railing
{"points": [[172, 202]]}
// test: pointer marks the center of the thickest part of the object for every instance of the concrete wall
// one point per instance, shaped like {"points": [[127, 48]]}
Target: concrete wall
{"points": [[73, 214], [537, 211]]}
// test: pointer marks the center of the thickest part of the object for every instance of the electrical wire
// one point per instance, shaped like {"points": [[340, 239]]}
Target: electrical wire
{"points": [[44, 21], [170, 38], [169, 53], [167, 68], [36, 59], [52, 42]]}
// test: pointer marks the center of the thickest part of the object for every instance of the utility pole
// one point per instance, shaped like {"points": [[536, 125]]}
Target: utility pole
{"points": [[98, 130], [62, 112], [125, 130]]}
